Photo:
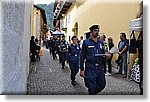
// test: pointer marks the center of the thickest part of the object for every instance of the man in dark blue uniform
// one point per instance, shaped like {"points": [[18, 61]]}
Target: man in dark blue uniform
{"points": [[63, 51], [54, 47], [73, 58], [58, 48], [50, 45], [92, 55]]}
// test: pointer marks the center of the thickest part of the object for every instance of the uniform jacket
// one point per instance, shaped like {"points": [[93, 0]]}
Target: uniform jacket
{"points": [[89, 52], [73, 54]]}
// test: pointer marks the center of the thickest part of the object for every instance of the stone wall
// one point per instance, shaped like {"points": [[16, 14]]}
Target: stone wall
{"points": [[1, 79], [14, 39]]}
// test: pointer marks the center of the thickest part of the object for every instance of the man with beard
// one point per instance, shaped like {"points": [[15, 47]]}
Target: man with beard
{"points": [[123, 48], [92, 55]]}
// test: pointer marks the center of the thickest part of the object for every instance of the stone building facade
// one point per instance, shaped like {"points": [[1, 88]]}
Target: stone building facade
{"points": [[15, 30], [39, 23]]}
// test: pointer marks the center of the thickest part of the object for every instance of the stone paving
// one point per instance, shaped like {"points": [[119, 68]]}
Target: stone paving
{"points": [[46, 77]]}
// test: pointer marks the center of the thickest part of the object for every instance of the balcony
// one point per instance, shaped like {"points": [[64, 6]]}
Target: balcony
{"points": [[62, 7], [63, 26]]}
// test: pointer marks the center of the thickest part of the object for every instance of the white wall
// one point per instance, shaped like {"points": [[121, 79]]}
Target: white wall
{"points": [[14, 39]]}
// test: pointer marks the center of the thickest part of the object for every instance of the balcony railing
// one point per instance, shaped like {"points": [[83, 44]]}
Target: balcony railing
{"points": [[63, 26]]}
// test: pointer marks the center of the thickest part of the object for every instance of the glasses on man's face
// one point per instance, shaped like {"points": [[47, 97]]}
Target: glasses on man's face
{"points": [[96, 30]]}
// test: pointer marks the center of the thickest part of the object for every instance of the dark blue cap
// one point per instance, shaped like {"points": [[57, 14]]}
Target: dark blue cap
{"points": [[94, 27]]}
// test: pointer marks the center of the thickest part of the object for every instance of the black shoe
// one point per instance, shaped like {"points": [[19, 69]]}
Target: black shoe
{"points": [[63, 68], [118, 73], [73, 83], [125, 76]]}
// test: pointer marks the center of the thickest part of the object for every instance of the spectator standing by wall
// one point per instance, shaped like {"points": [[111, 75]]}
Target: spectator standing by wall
{"points": [[32, 49], [123, 48], [110, 45]]}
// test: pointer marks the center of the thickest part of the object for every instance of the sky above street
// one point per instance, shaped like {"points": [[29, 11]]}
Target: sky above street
{"points": [[43, 1]]}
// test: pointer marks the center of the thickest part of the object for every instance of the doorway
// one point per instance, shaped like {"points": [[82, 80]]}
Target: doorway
{"points": [[76, 29]]}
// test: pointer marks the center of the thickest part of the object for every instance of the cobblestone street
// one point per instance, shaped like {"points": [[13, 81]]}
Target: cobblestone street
{"points": [[46, 77]]}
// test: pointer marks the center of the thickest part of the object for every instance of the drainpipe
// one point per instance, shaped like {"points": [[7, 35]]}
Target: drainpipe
{"points": [[63, 2]]}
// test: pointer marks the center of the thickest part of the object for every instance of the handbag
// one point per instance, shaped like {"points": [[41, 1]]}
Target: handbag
{"points": [[41, 53], [133, 45], [135, 73]]}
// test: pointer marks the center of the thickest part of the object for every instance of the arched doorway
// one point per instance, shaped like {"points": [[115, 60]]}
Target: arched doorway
{"points": [[76, 29]]}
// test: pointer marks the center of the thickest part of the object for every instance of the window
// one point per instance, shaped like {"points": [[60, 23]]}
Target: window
{"points": [[66, 22], [68, 18]]}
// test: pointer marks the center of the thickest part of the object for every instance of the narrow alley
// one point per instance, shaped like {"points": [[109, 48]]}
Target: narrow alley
{"points": [[46, 77], [83, 32]]}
